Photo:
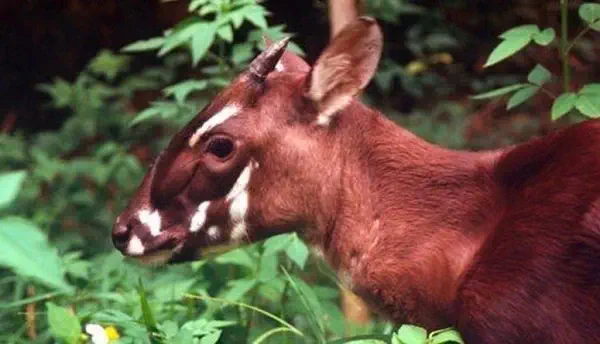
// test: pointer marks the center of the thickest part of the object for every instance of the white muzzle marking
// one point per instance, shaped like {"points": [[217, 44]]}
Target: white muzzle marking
{"points": [[135, 246], [199, 217], [151, 219]]}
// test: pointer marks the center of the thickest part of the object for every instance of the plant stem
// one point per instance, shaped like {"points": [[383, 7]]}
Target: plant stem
{"points": [[564, 41], [583, 32]]}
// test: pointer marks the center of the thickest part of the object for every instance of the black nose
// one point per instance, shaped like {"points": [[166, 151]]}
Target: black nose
{"points": [[121, 234]]}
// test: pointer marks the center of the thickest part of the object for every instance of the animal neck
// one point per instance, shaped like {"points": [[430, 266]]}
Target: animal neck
{"points": [[408, 213]]}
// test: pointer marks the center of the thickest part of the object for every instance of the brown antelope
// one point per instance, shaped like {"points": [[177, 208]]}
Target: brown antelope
{"points": [[504, 245]]}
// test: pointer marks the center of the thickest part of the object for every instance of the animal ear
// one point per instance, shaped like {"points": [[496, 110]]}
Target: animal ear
{"points": [[345, 67], [289, 62]]}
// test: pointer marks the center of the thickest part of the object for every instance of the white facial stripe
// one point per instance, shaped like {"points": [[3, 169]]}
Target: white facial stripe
{"points": [[239, 204], [241, 183], [199, 217], [151, 219], [135, 246], [238, 232], [220, 117], [213, 232]]}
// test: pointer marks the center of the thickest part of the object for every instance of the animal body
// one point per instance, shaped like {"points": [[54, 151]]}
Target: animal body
{"points": [[504, 245]]}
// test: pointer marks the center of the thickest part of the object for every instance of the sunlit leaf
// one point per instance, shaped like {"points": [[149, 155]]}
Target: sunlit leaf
{"points": [[447, 336], [409, 334], [10, 185], [64, 326], [588, 104], [591, 89], [544, 37], [522, 96], [528, 30], [506, 49], [25, 250], [202, 41], [563, 104], [297, 252], [590, 13]]}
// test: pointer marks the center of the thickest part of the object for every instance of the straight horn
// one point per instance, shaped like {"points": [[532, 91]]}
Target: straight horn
{"points": [[264, 63]]}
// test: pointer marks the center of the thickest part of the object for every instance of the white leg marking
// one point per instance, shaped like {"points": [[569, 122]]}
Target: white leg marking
{"points": [[199, 217], [213, 232], [135, 246], [226, 113], [151, 219]]}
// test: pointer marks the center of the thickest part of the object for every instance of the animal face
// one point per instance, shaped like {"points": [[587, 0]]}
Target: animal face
{"points": [[253, 163]]}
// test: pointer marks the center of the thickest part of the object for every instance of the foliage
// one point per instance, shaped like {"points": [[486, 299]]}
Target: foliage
{"points": [[586, 100]]}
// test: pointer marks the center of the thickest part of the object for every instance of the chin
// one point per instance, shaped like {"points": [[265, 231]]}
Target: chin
{"points": [[155, 259]]}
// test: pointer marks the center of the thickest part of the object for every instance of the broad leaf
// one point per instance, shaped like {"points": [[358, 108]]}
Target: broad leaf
{"points": [[449, 336], [499, 92], [590, 13], [211, 338], [591, 89], [226, 33], [544, 37], [506, 49], [25, 250], [239, 288], [144, 45], [563, 104], [539, 75], [588, 104], [256, 15], [277, 243], [528, 30], [409, 334], [182, 89], [64, 326], [297, 252], [521, 96], [202, 41], [10, 185]]}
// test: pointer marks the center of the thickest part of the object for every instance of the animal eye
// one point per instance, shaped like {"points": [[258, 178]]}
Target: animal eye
{"points": [[220, 147]]}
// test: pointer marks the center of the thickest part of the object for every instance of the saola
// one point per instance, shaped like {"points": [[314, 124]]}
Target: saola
{"points": [[504, 245]]}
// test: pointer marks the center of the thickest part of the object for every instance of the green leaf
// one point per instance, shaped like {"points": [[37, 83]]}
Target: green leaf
{"points": [[144, 45], [181, 34], [588, 104], [590, 13], [446, 336], [182, 89], [25, 250], [521, 96], [277, 244], [506, 49], [147, 315], [202, 41], [211, 338], [544, 37], [256, 15], [528, 30], [108, 64], [499, 92], [297, 252], [409, 334], [226, 33], [310, 302], [539, 75], [563, 104], [195, 4], [591, 89], [239, 288], [64, 326], [10, 185]]}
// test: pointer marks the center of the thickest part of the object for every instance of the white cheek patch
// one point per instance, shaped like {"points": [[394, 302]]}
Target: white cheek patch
{"points": [[213, 232], [279, 66], [199, 217], [239, 204], [220, 117], [135, 246], [151, 219]]}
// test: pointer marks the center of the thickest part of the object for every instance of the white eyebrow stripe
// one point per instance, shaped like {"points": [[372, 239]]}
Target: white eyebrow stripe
{"points": [[199, 217], [229, 111], [151, 219]]}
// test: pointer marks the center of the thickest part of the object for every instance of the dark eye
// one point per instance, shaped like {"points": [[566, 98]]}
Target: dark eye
{"points": [[220, 147]]}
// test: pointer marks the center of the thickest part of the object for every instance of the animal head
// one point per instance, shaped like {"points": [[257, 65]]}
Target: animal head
{"points": [[256, 161]]}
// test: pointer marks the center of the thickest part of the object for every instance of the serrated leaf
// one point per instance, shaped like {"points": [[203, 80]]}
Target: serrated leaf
{"points": [[409, 334], [256, 15], [539, 75], [544, 37], [522, 96], [202, 41], [563, 104], [588, 104], [499, 92], [10, 185], [64, 326], [591, 89], [297, 252], [507, 48], [226, 33], [590, 13], [144, 45], [25, 250]]}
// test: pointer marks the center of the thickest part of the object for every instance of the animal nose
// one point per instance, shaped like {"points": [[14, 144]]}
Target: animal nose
{"points": [[121, 235]]}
